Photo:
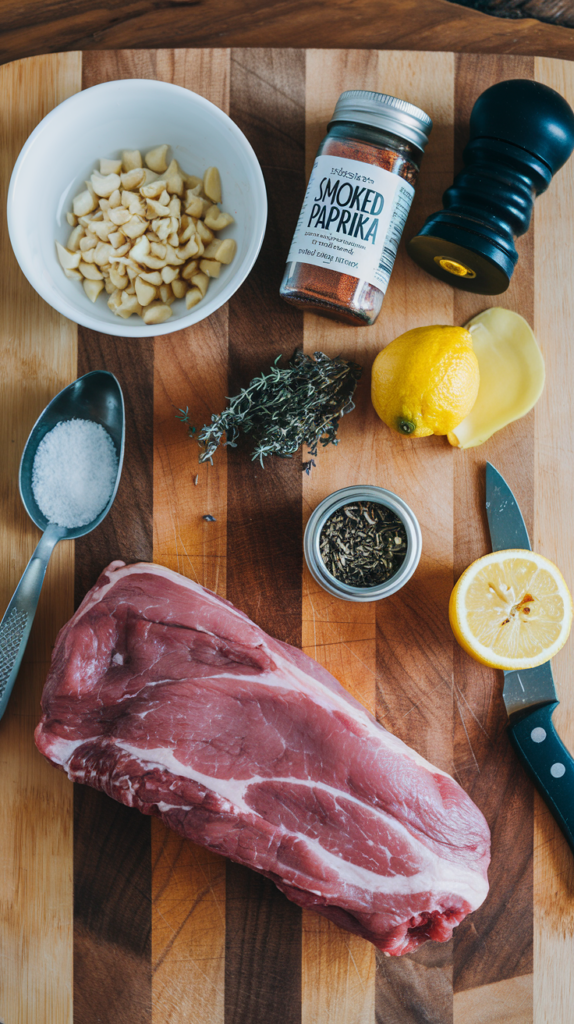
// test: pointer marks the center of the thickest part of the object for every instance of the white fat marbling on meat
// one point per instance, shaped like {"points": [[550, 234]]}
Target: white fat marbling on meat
{"points": [[435, 871], [429, 852]]}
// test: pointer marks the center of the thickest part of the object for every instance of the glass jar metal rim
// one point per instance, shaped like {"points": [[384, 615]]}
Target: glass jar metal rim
{"points": [[325, 509], [380, 110]]}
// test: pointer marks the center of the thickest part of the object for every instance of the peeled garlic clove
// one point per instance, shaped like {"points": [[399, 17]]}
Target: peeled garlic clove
{"points": [[68, 260], [511, 375], [131, 158], [156, 313], [110, 167], [212, 184], [93, 289], [156, 160], [105, 186]]}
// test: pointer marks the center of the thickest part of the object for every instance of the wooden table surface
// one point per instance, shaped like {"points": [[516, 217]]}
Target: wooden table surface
{"points": [[29, 27], [123, 919], [34, 27]]}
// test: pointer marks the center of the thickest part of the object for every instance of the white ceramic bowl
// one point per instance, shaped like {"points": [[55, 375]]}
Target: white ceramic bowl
{"points": [[100, 122]]}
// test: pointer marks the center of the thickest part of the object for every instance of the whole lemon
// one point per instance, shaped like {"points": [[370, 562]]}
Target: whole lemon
{"points": [[426, 381]]}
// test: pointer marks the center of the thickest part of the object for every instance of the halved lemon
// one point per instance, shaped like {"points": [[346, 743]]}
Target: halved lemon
{"points": [[511, 609]]}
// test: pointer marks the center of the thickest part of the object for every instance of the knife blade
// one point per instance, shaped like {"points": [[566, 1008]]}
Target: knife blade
{"points": [[530, 694], [505, 523], [531, 686]]}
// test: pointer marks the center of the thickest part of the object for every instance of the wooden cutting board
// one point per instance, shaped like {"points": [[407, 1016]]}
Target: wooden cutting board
{"points": [[106, 915]]}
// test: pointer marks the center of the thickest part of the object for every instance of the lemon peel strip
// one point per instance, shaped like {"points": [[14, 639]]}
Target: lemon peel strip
{"points": [[511, 375]]}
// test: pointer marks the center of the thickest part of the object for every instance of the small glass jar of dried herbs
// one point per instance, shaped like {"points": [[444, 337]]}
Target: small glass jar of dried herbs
{"points": [[362, 543]]}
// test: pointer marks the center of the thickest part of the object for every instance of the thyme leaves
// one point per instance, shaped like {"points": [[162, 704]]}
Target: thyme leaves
{"points": [[288, 406]]}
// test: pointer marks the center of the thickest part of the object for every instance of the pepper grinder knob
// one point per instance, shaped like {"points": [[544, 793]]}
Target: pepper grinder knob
{"points": [[521, 133]]}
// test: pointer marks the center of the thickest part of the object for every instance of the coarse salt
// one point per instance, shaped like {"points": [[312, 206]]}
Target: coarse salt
{"points": [[74, 472]]}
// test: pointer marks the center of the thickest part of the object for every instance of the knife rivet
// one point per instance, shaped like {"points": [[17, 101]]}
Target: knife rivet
{"points": [[538, 734], [557, 770]]}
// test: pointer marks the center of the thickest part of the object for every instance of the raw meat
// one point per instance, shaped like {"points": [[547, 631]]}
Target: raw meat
{"points": [[171, 700]]}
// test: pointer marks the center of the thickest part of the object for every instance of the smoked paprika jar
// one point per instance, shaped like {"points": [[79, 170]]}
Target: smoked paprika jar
{"points": [[357, 201]]}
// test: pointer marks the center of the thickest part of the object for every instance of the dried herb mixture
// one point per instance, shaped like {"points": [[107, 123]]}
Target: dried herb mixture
{"points": [[289, 406], [363, 544]]}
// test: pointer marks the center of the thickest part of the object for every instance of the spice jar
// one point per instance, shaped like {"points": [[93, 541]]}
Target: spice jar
{"points": [[350, 498], [357, 201]]}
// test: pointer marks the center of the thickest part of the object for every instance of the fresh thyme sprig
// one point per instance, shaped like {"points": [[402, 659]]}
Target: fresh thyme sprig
{"points": [[300, 403]]}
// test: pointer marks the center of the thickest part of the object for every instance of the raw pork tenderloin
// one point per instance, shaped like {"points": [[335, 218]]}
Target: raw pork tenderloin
{"points": [[169, 699]]}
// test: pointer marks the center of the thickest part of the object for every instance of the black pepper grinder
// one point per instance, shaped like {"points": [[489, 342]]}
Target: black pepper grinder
{"points": [[521, 133]]}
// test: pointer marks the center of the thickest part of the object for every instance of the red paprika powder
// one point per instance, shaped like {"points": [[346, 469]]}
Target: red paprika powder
{"points": [[355, 207]]}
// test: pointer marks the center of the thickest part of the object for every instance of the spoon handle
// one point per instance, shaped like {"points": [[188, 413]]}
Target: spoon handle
{"points": [[19, 615]]}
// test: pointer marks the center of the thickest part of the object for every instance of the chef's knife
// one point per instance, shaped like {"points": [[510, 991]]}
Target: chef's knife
{"points": [[530, 694]]}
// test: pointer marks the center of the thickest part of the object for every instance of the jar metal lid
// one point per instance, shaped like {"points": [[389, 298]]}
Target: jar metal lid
{"points": [[383, 111], [326, 508]]}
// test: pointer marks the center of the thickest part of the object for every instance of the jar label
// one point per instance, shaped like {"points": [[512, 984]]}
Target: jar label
{"points": [[352, 219]]}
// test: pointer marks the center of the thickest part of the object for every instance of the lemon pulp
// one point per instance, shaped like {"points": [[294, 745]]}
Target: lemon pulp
{"points": [[511, 609]]}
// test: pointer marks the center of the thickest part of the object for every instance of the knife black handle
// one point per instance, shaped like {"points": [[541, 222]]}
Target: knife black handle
{"points": [[548, 762]]}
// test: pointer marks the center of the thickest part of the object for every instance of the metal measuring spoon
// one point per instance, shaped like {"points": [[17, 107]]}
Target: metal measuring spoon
{"points": [[96, 396]]}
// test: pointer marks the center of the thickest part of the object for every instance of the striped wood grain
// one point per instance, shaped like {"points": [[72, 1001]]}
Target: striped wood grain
{"points": [[365, 645], [500, 1002], [338, 983], [272, 963], [188, 945], [264, 549], [414, 642], [188, 882], [554, 477], [38, 358], [112, 843], [495, 943]]}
